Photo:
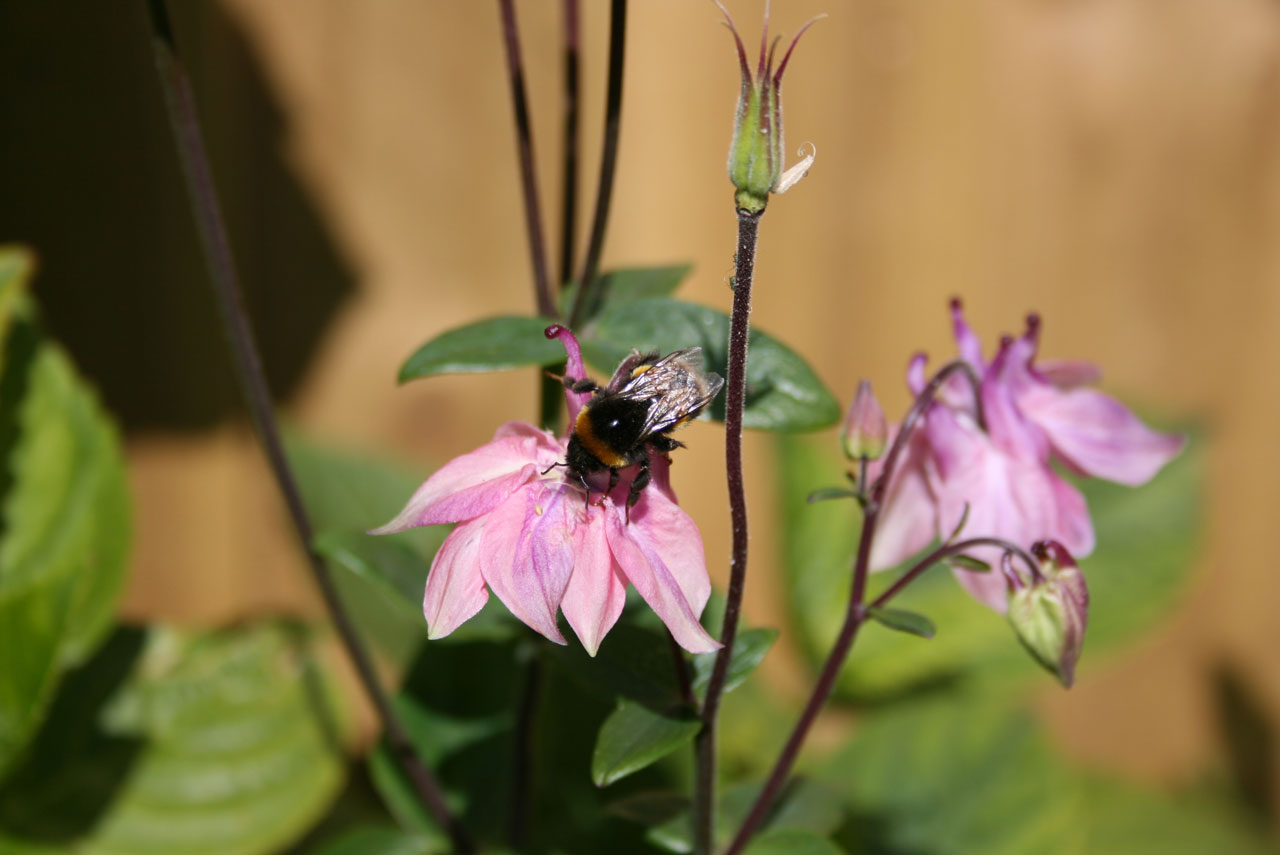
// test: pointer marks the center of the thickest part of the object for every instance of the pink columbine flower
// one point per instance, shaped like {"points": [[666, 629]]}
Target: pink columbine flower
{"points": [[1036, 414], [529, 535]]}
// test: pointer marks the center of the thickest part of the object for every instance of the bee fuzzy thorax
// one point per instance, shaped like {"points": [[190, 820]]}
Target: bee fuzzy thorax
{"points": [[647, 398]]}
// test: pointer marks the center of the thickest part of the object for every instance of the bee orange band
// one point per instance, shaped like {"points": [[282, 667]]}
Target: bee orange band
{"points": [[587, 436]]}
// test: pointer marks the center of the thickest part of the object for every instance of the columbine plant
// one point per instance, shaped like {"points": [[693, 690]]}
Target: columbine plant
{"points": [[533, 537], [974, 477]]}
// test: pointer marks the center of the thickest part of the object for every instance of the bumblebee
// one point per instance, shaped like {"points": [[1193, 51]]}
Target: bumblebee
{"points": [[648, 397]]}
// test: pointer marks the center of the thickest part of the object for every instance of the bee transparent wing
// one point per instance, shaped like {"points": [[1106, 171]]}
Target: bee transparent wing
{"points": [[676, 388]]}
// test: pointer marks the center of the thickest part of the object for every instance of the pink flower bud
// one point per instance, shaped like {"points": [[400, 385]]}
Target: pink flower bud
{"points": [[865, 431], [1049, 614]]}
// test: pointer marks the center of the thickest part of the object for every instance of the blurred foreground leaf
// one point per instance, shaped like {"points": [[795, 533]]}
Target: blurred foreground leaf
{"points": [[967, 775], [64, 517], [1147, 538]]}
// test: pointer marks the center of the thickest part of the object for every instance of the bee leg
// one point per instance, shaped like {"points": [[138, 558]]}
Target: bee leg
{"points": [[637, 487], [613, 480], [581, 386]]}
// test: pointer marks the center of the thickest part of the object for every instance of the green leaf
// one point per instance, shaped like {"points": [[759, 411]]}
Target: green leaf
{"points": [[493, 344], [381, 582], [968, 562], [376, 840], [968, 774], [902, 620], [627, 285], [633, 662], [824, 494], [791, 842], [240, 751], [804, 805], [348, 490], [783, 392], [748, 652], [633, 737], [1146, 536], [64, 519]]}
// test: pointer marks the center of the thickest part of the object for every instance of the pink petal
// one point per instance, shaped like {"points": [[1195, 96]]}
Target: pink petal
{"points": [[1007, 426], [596, 592], [909, 519], [1009, 497], [660, 553], [475, 483], [455, 587], [526, 553], [967, 342], [1068, 373], [1096, 434]]}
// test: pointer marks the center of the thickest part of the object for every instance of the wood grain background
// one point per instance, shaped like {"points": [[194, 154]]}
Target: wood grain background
{"points": [[1112, 164]]}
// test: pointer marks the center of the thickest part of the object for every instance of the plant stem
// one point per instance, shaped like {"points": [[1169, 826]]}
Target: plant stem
{"points": [[680, 665], [608, 162], [524, 145], [856, 613], [185, 125], [522, 768], [569, 159], [735, 400]]}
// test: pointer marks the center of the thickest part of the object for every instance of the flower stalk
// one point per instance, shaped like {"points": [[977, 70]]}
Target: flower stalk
{"points": [[735, 400], [185, 124]]}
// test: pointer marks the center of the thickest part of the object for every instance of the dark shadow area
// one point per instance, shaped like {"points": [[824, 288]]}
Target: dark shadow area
{"points": [[74, 767], [89, 179], [1249, 739]]}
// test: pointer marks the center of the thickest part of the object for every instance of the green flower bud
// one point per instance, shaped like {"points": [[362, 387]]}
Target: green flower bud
{"points": [[756, 153], [1049, 614], [865, 432]]}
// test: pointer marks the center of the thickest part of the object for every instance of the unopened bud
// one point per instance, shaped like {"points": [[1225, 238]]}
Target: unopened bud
{"points": [[756, 153], [865, 432], [1049, 614]]}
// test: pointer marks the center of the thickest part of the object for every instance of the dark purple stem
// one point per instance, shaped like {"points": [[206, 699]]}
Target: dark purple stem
{"points": [[735, 399], [948, 549], [524, 145], [680, 665], [569, 159], [207, 211], [856, 612], [608, 163], [522, 768]]}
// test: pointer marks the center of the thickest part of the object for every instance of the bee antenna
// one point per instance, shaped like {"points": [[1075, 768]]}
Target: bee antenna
{"points": [[552, 466]]}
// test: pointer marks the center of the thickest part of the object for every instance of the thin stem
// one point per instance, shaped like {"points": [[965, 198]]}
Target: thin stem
{"points": [[680, 665], [524, 145], [856, 613], [185, 125], [922, 402], [735, 400], [569, 159], [946, 550], [608, 162], [522, 768]]}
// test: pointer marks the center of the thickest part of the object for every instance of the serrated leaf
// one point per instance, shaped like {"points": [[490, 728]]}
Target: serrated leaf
{"points": [[902, 620], [1146, 545], [791, 842], [493, 344], [749, 651], [633, 737], [241, 746], [64, 521], [783, 392], [626, 285]]}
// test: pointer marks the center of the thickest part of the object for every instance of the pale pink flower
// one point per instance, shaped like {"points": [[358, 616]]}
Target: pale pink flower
{"points": [[1036, 415], [528, 534]]}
